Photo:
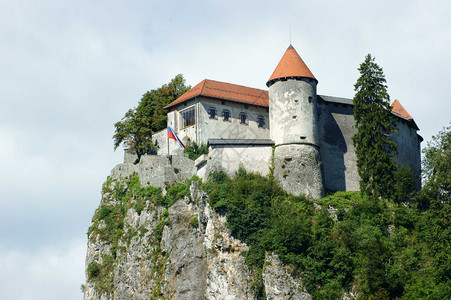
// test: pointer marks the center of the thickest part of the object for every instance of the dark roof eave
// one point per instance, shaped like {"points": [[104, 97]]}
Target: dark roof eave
{"points": [[216, 98], [272, 81]]}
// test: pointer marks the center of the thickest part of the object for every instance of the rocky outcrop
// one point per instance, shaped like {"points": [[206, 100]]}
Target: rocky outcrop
{"points": [[184, 252], [279, 283]]}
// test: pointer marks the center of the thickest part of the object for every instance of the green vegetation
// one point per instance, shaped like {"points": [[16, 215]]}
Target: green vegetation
{"points": [[137, 126], [194, 221], [375, 123], [379, 247], [108, 227], [437, 167], [387, 250], [194, 151]]}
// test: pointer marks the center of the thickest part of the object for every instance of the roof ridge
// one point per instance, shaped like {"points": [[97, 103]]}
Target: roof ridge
{"points": [[240, 85], [247, 94], [203, 82]]}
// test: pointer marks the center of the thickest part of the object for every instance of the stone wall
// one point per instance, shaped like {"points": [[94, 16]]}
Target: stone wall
{"points": [[408, 147], [293, 111], [206, 128], [157, 170], [297, 167], [336, 129], [232, 129], [255, 159]]}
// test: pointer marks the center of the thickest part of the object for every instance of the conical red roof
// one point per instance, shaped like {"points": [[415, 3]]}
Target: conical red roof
{"points": [[398, 109], [291, 65]]}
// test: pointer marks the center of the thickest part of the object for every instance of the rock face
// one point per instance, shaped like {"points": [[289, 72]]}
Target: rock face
{"points": [[185, 252], [279, 284]]}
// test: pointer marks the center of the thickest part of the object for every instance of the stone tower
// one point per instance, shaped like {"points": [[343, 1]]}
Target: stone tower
{"points": [[294, 129]]}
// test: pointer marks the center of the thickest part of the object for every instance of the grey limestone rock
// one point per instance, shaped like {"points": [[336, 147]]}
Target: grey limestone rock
{"points": [[279, 283], [197, 257]]}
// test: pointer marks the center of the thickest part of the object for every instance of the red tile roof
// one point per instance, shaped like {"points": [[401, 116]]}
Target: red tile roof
{"points": [[398, 109], [226, 91], [291, 65]]}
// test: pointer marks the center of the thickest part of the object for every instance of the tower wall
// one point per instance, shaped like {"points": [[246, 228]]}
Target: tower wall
{"points": [[294, 129], [292, 111]]}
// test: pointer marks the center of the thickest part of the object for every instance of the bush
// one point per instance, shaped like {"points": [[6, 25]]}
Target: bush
{"points": [[93, 270], [194, 151], [333, 256], [194, 221]]}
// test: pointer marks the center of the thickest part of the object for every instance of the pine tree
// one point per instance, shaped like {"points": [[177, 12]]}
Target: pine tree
{"points": [[375, 124]]}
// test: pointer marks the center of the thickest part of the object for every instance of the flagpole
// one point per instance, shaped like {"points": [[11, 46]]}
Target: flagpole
{"points": [[167, 136]]}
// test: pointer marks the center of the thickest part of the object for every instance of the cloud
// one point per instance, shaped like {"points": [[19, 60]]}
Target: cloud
{"points": [[69, 70], [48, 273]]}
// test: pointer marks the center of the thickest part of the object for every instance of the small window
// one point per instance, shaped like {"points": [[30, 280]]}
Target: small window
{"points": [[261, 122], [226, 115], [212, 113], [188, 117], [243, 118]]}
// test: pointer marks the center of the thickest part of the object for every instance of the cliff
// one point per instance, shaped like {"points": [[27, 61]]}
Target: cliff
{"points": [[138, 249]]}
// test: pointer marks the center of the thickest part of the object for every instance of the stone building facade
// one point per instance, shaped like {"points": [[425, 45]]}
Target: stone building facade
{"points": [[306, 136]]}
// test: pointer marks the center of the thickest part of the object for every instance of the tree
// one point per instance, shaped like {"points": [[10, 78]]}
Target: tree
{"points": [[375, 124], [137, 126], [437, 166]]}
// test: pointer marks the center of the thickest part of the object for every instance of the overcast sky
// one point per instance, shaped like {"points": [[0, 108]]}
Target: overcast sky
{"points": [[70, 69]]}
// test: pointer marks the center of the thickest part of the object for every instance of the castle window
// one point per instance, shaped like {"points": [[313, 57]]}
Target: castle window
{"points": [[188, 117], [243, 119], [261, 122], [226, 115], [212, 113]]}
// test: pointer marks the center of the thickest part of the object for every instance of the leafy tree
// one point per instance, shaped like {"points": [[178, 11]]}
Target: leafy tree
{"points": [[194, 150], [437, 167], [374, 123], [137, 126]]}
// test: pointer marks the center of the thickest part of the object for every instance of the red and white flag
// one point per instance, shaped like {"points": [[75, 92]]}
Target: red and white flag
{"points": [[172, 135]]}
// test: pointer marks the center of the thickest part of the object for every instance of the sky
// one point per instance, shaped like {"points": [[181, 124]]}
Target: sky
{"points": [[70, 69]]}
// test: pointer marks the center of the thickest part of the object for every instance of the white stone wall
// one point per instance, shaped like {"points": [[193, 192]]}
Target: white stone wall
{"points": [[206, 128], [232, 129], [255, 159], [297, 167], [157, 170], [293, 111]]}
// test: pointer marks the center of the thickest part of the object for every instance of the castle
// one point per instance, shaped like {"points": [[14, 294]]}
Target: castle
{"points": [[306, 137]]}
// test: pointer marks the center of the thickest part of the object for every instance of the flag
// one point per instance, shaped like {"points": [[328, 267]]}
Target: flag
{"points": [[172, 135]]}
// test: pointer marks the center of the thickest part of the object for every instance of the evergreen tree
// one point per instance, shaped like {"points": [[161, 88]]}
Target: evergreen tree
{"points": [[137, 126], [375, 124]]}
